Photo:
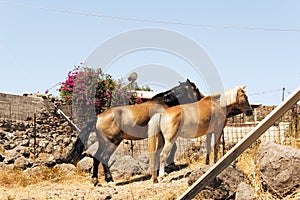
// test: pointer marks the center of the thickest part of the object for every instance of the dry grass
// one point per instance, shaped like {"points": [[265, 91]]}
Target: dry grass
{"points": [[15, 178]]}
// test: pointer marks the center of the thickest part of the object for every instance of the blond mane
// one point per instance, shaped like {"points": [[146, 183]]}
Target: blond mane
{"points": [[229, 97]]}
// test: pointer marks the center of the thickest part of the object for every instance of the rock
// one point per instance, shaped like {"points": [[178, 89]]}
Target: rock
{"points": [[143, 161], [244, 192], [2, 135], [3, 166], [92, 149], [66, 141], [18, 152], [43, 143], [224, 186], [11, 156], [92, 145], [1, 158], [9, 160], [35, 169], [68, 168], [8, 145], [85, 164], [279, 166], [126, 164], [46, 159], [22, 163], [25, 142]]}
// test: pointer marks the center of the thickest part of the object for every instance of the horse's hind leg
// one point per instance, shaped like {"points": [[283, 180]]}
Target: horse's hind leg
{"points": [[107, 174], [164, 155], [102, 155], [110, 149], [104, 162], [154, 158]]}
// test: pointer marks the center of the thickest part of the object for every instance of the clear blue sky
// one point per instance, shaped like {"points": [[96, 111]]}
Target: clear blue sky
{"points": [[38, 47]]}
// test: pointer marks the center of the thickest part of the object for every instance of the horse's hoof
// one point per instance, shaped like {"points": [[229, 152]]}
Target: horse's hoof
{"points": [[109, 179], [95, 182], [171, 168], [161, 179], [155, 180]]}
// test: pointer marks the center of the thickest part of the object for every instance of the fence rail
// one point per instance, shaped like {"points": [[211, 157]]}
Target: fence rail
{"points": [[241, 146]]}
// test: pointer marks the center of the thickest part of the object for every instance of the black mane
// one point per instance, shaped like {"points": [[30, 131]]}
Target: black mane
{"points": [[178, 94]]}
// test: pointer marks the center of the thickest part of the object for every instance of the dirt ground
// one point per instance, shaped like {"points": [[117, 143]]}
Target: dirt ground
{"points": [[79, 186], [49, 183]]}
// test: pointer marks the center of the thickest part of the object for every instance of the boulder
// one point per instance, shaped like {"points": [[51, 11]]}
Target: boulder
{"points": [[244, 192], [85, 164], [223, 187], [126, 164], [279, 166], [46, 159], [91, 149], [22, 163], [68, 168], [143, 161]]}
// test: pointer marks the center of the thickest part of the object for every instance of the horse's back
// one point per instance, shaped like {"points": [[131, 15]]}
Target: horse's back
{"points": [[194, 119]]}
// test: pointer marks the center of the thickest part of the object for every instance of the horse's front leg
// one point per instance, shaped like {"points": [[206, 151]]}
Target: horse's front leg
{"points": [[170, 160], [216, 147]]}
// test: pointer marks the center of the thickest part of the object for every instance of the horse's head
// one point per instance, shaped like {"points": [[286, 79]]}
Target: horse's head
{"points": [[242, 102], [186, 92], [193, 91]]}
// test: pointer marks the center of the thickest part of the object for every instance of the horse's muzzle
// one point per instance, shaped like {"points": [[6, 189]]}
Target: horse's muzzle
{"points": [[249, 112]]}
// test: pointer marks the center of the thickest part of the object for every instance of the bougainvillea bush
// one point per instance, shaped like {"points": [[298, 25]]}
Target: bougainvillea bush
{"points": [[90, 92]]}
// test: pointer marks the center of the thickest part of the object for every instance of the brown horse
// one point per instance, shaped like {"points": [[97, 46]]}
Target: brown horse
{"points": [[192, 120], [127, 122]]}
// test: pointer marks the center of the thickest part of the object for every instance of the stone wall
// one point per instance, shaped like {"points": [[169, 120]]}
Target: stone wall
{"points": [[49, 136], [20, 107]]}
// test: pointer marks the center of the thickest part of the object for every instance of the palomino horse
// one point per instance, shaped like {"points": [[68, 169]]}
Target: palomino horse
{"points": [[127, 122], [192, 120]]}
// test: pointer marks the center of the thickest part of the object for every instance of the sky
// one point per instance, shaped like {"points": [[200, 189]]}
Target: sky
{"points": [[40, 41]]}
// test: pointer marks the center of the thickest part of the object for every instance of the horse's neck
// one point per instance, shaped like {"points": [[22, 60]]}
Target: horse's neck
{"points": [[152, 102], [228, 105], [223, 102], [229, 109]]}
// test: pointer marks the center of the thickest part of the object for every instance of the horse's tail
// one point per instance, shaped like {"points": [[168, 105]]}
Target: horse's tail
{"points": [[153, 136], [75, 154]]}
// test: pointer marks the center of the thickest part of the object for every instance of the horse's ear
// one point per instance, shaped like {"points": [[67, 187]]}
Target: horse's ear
{"points": [[188, 80], [243, 87]]}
